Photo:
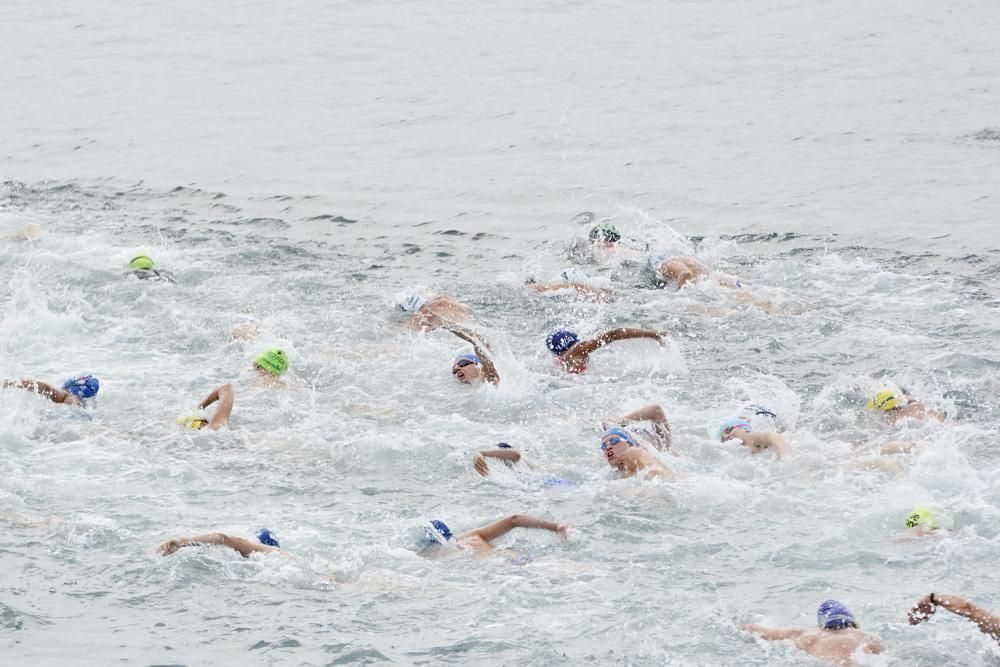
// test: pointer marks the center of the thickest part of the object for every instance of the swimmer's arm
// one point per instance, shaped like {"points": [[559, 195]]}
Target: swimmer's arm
{"points": [[245, 547], [988, 623], [592, 293], [44, 389], [622, 333], [771, 634], [225, 396], [490, 373], [507, 524], [483, 468]]}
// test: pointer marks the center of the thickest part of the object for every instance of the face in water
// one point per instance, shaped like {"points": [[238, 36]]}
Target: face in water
{"points": [[467, 370]]}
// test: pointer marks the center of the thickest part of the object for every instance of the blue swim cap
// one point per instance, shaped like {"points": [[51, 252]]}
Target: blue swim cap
{"points": [[561, 340], [82, 386], [471, 357], [621, 433], [832, 615], [435, 533], [442, 528], [264, 536], [732, 423]]}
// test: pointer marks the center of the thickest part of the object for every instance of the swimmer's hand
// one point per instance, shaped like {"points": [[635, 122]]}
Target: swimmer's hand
{"points": [[480, 464], [170, 546], [922, 611], [663, 337], [563, 531]]}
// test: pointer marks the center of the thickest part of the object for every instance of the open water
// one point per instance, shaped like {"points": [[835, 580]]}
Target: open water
{"points": [[298, 165]]}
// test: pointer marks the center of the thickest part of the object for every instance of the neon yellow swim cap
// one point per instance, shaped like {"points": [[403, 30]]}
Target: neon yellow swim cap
{"points": [[273, 361], [192, 421], [886, 400], [140, 262], [921, 516]]}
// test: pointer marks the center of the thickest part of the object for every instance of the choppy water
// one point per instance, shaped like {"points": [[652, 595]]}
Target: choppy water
{"points": [[301, 165]]}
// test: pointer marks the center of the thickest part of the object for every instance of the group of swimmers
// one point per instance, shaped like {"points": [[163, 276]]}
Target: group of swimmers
{"points": [[628, 443]]}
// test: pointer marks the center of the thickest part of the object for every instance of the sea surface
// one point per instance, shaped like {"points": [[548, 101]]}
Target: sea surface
{"points": [[297, 166]]}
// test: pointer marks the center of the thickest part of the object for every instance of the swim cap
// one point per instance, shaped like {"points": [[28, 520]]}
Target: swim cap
{"points": [[736, 422], [82, 386], [605, 232], [264, 536], [471, 357], [921, 516], [561, 340], [192, 421], [886, 400], [438, 531], [621, 433], [573, 274], [140, 262], [411, 302], [503, 445], [274, 361], [832, 615]]}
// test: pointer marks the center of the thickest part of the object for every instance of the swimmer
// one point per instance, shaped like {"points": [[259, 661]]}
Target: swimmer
{"points": [[605, 236], [921, 522], [222, 394], [573, 353], [271, 363], [480, 540], [926, 606], [595, 294], [266, 543], [679, 271], [658, 435], [77, 390], [894, 404], [503, 452], [836, 640], [441, 306], [623, 453], [470, 368], [757, 441], [141, 267]]}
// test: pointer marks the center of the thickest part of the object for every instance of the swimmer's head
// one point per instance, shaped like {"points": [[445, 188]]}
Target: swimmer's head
{"points": [[615, 442], [83, 386], [676, 271], [605, 233], [411, 302], [435, 533], [264, 536], [503, 445], [195, 422], [561, 340], [726, 428], [140, 262], [572, 274], [274, 361], [832, 615], [921, 517], [887, 399], [467, 368]]}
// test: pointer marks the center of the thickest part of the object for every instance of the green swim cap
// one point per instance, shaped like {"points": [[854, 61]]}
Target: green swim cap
{"points": [[605, 232], [140, 262], [273, 361], [921, 516]]}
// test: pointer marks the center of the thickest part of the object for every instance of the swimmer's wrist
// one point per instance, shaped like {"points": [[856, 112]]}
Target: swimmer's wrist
{"points": [[933, 601]]}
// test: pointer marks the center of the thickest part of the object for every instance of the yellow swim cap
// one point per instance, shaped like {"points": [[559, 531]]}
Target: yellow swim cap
{"points": [[140, 262], [192, 421], [921, 516], [886, 400]]}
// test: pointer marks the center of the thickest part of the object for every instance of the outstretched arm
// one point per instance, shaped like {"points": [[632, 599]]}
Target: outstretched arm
{"points": [[771, 634], [489, 370], [245, 547], [44, 389], [988, 623], [483, 468], [507, 524], [224, 395], [622, 333], [592, 293]]}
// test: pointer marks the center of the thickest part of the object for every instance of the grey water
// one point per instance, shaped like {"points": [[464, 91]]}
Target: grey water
{"points": [[297, 166]]}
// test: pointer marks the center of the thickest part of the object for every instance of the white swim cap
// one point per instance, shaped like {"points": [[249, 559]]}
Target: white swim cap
{"points": [[411, 302], [573, 274]]}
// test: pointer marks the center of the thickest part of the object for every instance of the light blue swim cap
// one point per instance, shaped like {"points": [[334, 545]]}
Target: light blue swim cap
{"points": [[736, 422], [82, 386], [621, 433], [264, 536], [832, 615], [471, 357], [561, 340]]}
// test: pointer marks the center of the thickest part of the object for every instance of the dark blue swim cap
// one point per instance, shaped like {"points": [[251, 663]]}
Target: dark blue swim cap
{"points": [[833, 615], [82, 386], [503, 445], [264, 536], [561, 340], [442, 528]]}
